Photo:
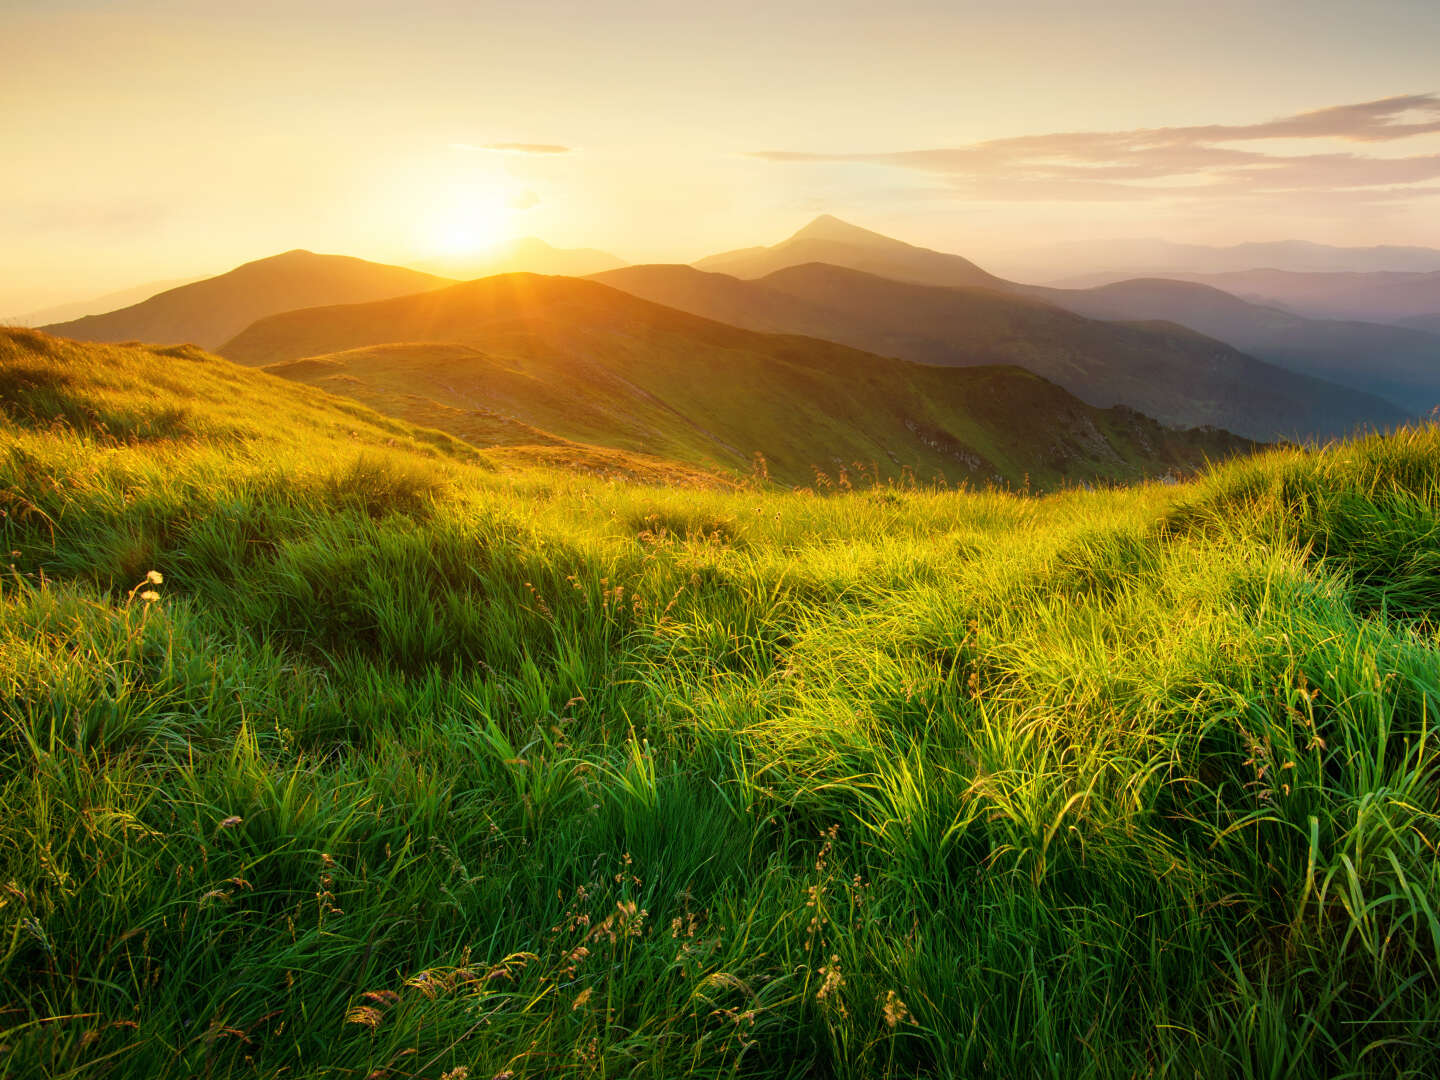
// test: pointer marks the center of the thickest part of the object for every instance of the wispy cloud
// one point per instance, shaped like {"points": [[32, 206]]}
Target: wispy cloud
{"points": [[1185, 162], [512, 148]]}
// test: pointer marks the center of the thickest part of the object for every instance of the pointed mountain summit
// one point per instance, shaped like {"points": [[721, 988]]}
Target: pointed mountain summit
{"points": [[827, 239], [830, 228], [214, 310]]}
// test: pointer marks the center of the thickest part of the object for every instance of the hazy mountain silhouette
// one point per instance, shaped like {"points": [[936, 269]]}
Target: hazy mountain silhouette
{"points": [[1384, 361], [1379, 296], [211, 311], [829, 240], [1164, 370], [1069, 263], [526, 255], [591, 363], [97, 305], [1401, 364], [1428, 323]]}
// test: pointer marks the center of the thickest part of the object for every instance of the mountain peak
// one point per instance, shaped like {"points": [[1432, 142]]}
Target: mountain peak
{"points": [[829, 227]]}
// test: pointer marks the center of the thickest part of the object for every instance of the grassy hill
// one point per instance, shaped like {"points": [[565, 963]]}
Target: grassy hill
{"points": [[327, 747], [1164, 371], [212, 311], [1397, 363], [594, 364]]}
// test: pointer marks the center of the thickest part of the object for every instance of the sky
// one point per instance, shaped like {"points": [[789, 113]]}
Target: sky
{"points": [[158, 139]]}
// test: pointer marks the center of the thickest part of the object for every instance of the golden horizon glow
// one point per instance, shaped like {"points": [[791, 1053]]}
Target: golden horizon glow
{"points": [[441, 129], [478, 226]]}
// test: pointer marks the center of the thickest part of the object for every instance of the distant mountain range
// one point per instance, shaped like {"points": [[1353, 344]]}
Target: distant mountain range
{"points": [[214, 310], [1400, 364], [1130, 258], [1164, 370], [1379, 296], [587, 362], [1428, 323], [534, 360], [96, 305]]}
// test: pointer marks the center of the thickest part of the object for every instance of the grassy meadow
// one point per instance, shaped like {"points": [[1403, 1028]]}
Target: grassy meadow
{"points": [[332, 747]]}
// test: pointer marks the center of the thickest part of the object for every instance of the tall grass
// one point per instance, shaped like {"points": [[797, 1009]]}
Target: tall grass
{"points": [[410, 767]]}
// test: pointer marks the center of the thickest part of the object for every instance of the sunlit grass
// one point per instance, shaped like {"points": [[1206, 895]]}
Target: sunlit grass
{"points": [[409, 763]]}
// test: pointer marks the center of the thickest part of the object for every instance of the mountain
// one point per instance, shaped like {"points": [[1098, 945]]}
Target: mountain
{"points": [[78, 309], [1164, 370], [1379, 296], [1131, 258], [829, 240], [1428, 323], [526, 255], [593, 364], [214, 310], [1397, 364], [1400, 364]]}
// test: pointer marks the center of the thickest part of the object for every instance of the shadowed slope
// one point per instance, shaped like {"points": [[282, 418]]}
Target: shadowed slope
{"points": [[210, 312], [1398, 363], [591, 363], [1165, 371]]}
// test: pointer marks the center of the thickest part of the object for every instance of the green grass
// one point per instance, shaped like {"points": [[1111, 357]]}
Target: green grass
{"points": [[493, 360], [414, 763]]}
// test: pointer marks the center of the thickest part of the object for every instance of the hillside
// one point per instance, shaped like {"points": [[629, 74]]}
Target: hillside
{"points": [[210, 312], [594, 364], [829, 240], [1163, 371], [119, 395], [327, 747], [1397, 363]]}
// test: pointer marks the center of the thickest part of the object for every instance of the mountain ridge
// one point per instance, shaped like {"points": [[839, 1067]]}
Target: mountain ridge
{"points": [[1205, 381], [211, 311], [592, 363]]}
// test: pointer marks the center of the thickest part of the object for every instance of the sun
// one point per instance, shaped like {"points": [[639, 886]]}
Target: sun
{"points": [[472, 225]]}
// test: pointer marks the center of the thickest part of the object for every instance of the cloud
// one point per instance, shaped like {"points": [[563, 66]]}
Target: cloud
{"points": [[513, 148], [1182, 163], [523, 200]]}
